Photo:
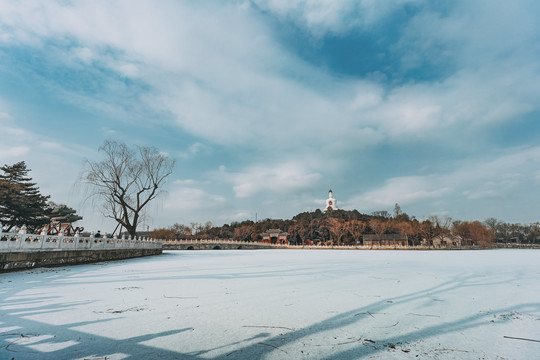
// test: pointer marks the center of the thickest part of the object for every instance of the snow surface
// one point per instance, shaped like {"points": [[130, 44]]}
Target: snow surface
{"points": [[278, 304]]}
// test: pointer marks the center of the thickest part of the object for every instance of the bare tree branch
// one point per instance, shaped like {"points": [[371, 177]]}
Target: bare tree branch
{"points": [[126, 181]]}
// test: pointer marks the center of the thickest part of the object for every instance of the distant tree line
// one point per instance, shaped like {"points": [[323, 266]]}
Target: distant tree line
{"points": [[347, 227]]}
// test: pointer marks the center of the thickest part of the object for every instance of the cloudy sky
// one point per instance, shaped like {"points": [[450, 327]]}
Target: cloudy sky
{"points": [[267, 104]]}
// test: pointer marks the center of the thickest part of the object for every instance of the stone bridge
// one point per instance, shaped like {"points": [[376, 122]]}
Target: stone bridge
{"points": [[218, 244], [21, 250], [228, 244]]}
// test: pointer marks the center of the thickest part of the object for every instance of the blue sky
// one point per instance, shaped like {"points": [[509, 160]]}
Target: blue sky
{"points": [[267, 104]]}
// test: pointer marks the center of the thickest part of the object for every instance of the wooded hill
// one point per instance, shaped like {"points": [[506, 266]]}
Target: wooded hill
{"points": [[347, 227]]}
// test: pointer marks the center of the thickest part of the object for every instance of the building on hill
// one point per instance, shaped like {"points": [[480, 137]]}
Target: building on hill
{"points": [[445, 241], [331, 203], [385, 240], [275, 236]]}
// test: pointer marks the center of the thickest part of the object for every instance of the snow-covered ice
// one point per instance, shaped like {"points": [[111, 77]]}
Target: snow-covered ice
{"points": [[278, 304]]}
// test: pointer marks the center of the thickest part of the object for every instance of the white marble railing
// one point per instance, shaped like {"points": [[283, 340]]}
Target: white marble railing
{"points": [[220, 241], [22, 242], [293, 246]]}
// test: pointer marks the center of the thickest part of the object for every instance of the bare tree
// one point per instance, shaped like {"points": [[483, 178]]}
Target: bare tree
{"points": [[196, 228], [243, 233], [403, 227], [478, 232], [126, 181], [425, 231], [441, 226], [163, 233], [383, 214], [356, 229], [301, 232], [397, 211], [337, 230], [181, 231], [379, 227]]}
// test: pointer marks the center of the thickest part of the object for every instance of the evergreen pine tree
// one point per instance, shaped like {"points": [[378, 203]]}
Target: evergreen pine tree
{"points": [[20, 200]]}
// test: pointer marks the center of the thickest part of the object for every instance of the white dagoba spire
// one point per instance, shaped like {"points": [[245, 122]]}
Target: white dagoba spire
{"points": [[331, 203]]}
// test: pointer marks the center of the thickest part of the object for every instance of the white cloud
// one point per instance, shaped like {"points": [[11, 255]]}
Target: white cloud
{"points": [[500, 177], [237, 216], [232, 86], [277, 178], [108, 131], [125, 69], [220, 73], [403, 190], [4, 117], [367, 95], [193, 150], [183, 182], [185, 199], [84, 54], [227, 86], [9, 153], [54, 165], [10, 131], [321, 17]]}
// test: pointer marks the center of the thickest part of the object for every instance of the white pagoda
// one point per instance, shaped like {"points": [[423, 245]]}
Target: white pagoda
{"points": [[331, 203]]}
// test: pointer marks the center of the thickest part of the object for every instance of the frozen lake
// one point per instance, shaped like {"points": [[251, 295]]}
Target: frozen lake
{"points": [[278, 304]]}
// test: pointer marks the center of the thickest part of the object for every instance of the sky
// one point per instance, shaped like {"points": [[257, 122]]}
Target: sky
{"points": [[266, 105]]}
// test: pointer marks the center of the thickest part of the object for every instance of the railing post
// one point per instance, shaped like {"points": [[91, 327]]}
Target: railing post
{"points": [[77, 234], [22, 232], [42, 237], [91, 239], [60, 238]]}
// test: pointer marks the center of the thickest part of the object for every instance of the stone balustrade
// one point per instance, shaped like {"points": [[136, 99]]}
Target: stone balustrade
{"points": [[21, 241], [230, 243]]}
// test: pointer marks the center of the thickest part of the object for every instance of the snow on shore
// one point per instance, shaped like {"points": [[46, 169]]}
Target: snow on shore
{"points": [[278, 304]]}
